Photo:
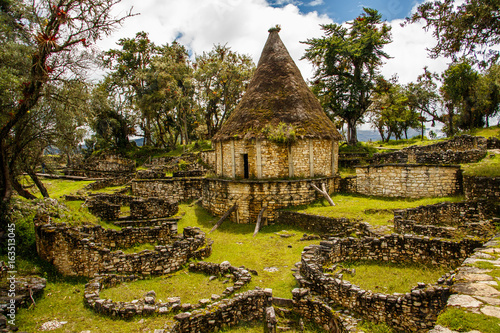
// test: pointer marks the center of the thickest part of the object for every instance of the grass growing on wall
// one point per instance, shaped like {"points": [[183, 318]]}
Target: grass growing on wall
{"points": [[389, 278], [487, 167], [374, 210]]}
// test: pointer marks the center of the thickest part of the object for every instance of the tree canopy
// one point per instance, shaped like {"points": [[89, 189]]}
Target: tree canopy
{"points": [[346, 62]]}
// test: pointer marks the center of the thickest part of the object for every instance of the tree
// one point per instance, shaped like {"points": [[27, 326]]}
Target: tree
{"points": [[129, 67], [391, 111], [458, 91], [487, 93], [346, 63], [462, 30], [221, 79], [53, 36]]}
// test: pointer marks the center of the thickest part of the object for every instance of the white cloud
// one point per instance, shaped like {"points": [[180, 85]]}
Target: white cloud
{"points": [[315, 3], [409, 52], [243, 25]]}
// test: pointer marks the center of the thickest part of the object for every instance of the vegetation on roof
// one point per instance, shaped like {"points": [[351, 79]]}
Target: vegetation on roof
{"points": [[277, 94]]}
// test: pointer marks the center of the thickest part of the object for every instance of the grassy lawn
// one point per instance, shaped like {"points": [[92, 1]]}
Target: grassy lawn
{"points": [[63, 297], [462, 321], [376, 211], [389, 278], [487, 167]]}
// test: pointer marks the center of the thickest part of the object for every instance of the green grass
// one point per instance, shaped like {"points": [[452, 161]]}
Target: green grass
{"points": [[190, 287], [57, 188], [492, 131], [370, 327], [234, 242], [374, 210], [139, 248], [462, 321], [389, 278], [487, 167], [400, 144]]}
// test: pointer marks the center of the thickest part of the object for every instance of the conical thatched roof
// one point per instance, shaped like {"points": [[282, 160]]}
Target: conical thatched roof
{"points": [[277, 94]]}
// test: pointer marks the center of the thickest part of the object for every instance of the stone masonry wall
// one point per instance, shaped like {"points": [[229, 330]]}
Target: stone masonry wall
{"points": [[448, 219], [275, 158], [251, 196], [409, 181], [175, 189], [340, 227], [313, 309], [153, 208], [76, 252], [461, 149], [413, 311], [208, 157], [482, 188]]}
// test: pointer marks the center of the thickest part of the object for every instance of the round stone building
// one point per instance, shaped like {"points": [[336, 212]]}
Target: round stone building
{"points": [[275, 143]]}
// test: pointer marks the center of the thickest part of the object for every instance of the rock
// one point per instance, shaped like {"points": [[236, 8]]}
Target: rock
{"points": [[224, 266], [475, 289], [492, 311], [441, 329], [489, 300], [464, 301], [52, 325]]}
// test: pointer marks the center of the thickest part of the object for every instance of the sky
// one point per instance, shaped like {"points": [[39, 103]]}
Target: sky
{"points": [[243, 24]]}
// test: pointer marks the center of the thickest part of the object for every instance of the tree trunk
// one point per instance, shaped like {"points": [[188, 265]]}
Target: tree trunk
{"points": [[5, 180], [38, 184], [21, 191], [352, 133]]}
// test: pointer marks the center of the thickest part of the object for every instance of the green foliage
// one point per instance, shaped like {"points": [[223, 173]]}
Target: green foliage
{"points": [[462, 321], [389, 278], [222, 77], [470, 28], [183, 165], [346, 61], [281, 134]]}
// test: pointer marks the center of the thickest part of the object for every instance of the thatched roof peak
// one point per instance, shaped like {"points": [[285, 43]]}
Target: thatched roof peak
{"points": [[277, 94]]}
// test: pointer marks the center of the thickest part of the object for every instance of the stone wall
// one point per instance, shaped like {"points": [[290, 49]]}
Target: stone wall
{"points": [[314, 309], [103, 166], [148, 305], [113, 181], [266, 159], [103, 209], [461, 149], [244, 307], [415, 310], [482, 188], [252, 195], [208, 157], [86, 251], [176, 189], [448, 219], [338, 227], [153, 208], [409, 181]]}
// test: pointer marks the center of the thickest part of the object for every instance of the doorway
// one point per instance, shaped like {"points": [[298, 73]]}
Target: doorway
{"points": [[245, 166]]}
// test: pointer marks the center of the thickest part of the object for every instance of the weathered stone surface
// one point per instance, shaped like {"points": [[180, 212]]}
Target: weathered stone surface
{"points": [[489, 300], [475, 289], [492, 311], [464, 301]]}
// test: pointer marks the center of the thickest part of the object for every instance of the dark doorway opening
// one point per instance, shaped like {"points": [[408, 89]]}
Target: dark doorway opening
{"points": [[245, 166]]}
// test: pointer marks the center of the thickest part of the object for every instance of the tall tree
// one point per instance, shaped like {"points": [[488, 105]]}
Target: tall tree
{"points": [[52, 36], [458, 91], [347, 62], [468, 29], [130, 67], [221, 78]]}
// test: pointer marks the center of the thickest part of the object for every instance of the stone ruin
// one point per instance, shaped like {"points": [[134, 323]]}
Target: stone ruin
{"points": [[415, 310], [105, 165]]}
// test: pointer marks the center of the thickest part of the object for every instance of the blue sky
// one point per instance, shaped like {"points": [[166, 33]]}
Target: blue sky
{"points": [[346, 10]]}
